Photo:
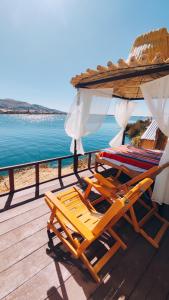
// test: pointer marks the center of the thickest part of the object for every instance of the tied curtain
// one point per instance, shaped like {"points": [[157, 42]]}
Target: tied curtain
{"points": [[87, 114], [156, 94], [123, 111]]}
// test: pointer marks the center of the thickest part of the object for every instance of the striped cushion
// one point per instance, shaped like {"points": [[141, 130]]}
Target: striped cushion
{"points": [[138, 159]]}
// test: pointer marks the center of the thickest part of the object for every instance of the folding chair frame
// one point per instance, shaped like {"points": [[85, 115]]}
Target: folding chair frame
{"points": [[62, 215], [103, 186]]}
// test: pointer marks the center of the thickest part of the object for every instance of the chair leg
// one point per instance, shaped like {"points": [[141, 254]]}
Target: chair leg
{"points": [[118, 174], [128, 219], [147, 217], [89, 267], [117, 238], [48, 225], [149, 239], [96, 166], [51, 219], [152, 211], [102, 261], [155, 205]]}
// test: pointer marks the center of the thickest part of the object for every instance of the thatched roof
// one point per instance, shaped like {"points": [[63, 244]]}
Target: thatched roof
{"points": [[148, 60]]}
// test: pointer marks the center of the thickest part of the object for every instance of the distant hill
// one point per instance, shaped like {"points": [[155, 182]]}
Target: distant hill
{"points": [[14, 106]]}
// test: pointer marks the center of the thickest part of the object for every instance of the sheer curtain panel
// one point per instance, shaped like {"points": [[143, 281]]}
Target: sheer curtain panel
{"points": [[87, 114], [156, 94], [123, 111]]}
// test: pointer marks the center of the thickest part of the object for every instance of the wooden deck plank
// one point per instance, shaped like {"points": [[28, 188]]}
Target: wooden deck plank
{"points": [[17, 197], [76, 287], [17, 252], [129, 237], [11, 213], [155, 282], [130, 268], [16, 235], [23, 219], [21, 272], [37, 287]]}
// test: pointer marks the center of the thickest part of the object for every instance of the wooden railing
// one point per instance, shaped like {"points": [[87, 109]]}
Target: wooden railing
{"points": [[59, 160]]}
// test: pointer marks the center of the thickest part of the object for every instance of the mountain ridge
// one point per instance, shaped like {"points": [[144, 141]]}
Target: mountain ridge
{"points": [[15, 106]]}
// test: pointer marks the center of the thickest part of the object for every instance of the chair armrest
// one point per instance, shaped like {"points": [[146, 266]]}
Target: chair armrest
{"points": [[88, 181], [103, 181]]}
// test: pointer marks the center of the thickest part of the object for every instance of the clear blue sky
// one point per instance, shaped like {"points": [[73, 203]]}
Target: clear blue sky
{"points": [[43, 43]]}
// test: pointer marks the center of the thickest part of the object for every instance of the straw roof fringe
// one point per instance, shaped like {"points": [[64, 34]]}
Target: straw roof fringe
{"points": [[149, 52]]}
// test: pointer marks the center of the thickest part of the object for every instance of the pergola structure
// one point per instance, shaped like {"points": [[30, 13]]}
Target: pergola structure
{"points": [[142, 76], [148, 60]]}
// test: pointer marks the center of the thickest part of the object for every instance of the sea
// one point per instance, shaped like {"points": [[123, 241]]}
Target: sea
{"points": [[28, 138]]}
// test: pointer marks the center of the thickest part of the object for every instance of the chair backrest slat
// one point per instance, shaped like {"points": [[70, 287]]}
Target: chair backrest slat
{"points": [[81, 228]]}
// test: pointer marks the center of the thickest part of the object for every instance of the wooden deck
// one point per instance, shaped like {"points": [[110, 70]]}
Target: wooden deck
{"points": [[28, 270]]}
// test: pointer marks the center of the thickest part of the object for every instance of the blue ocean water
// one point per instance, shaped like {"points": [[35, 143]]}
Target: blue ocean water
{"points": [[27, 138]]}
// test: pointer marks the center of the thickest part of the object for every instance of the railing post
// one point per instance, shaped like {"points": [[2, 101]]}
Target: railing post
{"points": [[37, 180], [75, 158], [36, 165], [96, 166], [89, 160], [11, 181], [59, 168]]}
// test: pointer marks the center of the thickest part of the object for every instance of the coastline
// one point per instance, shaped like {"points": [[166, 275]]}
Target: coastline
{"points": [[31, 113], [25, 177]]}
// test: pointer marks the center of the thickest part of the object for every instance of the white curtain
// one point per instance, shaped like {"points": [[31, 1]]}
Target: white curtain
{"points": [[123, 111], [87, 114], [156, 94]]}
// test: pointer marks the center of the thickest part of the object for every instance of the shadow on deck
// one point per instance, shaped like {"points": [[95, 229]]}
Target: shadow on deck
{"points": [[32, 266]]}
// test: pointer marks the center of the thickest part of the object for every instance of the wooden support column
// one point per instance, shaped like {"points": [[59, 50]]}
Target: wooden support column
{"points": [[37, 180], [124, 135], [11, 180], [75, 158], [59, 168], [89, 160]]}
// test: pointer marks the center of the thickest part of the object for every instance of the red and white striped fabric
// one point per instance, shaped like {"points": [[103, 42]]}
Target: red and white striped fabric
{"points": [[137, 159]]}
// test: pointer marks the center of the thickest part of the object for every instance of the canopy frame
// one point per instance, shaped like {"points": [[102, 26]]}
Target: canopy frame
{"points": [[148, 60], [159, 70]]}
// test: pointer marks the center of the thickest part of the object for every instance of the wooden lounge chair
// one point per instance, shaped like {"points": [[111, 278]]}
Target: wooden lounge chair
{"points": [[75, 215], [111, 188]]}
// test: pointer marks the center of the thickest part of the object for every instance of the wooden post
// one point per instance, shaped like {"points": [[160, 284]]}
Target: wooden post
{"points": [[89, 160], [11, 180], [37, 180], [123, 139], [37, 174], [75, 163], [59, 168], [96, 166]]}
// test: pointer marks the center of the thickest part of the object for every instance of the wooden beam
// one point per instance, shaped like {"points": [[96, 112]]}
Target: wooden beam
{"points": [[126, 75], [125, 98]]}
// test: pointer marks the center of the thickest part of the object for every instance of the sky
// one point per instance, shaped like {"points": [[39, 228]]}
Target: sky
{"points": [[43, 43]]}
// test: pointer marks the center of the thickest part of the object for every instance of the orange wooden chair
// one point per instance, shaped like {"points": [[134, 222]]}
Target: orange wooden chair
{"points": [[71, 212], [111, 188]]}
